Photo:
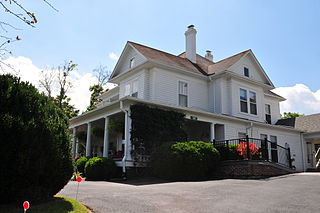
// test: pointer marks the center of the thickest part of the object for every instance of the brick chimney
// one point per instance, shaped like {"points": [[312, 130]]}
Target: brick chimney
{"points": [[191, 50]]}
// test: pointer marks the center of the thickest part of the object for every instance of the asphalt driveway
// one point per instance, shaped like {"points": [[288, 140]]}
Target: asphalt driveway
{"points": [[290, 193]]}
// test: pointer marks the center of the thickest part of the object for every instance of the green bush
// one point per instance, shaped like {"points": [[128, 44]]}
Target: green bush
{"points": [[34, 140], [191, 160], [81, 163], [229, 153], [100, 169]]}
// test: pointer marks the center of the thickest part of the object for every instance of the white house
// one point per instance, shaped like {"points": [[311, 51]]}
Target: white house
{"points": [[231, 98]]}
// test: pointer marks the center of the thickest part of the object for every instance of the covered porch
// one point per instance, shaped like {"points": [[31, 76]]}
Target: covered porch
{"points": [[312, 140], [103, 132]]}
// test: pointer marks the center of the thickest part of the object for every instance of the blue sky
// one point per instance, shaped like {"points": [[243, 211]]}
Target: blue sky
{"points": [[284, 35]]}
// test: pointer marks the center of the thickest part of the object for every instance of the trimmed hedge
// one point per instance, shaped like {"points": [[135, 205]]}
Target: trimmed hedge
{"points": [[191, 160], [80, 164], [100, 169], [35, 154]]}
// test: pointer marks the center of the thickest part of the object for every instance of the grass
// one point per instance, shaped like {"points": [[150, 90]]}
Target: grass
{"points": [[58, 204]]}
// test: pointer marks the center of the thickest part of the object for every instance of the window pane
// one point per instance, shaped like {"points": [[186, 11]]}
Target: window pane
{"points": [[243, 94], [253, 108], [183, 100], [135, 87], [183, 88], [246, 71], [244, 106], [135, 94], [268, 119], [253, 97], [268, 109], [242, 135]]}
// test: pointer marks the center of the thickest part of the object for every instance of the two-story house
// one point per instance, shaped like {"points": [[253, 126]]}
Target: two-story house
{"points": [[228, 99]]}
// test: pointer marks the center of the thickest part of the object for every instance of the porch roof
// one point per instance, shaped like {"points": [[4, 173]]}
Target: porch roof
{"points": [[91, 115]]}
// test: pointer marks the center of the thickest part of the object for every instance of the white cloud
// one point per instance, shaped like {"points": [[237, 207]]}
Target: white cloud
{"points": [[299, 99], [79, 92], [113, 56]]}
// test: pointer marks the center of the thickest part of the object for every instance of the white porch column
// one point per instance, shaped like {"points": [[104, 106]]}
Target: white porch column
{"points": [[106, 138], [88, 143], [74, 142], [77, 148], [128, 145], [212, 136]]}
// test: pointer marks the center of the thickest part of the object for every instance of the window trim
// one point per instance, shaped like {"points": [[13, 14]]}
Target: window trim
{"points": [[265, 113], [132, 62], [187, 92], [244, 71], [248, 102]]}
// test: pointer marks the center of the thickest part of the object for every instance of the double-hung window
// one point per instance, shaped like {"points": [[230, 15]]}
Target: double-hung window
{"points": [[253, 103], [248, 105], [131, 64], [243, 101], [135, 89], [268, 113], [183, 94]]}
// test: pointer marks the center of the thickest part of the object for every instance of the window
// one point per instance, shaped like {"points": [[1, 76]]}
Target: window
{"points": [[246, 71], [263, 136], [131, 63], [242, 135], [268, 113], [127, 90], [243, 101], [253, 103], [135, 89], [183, 94]]}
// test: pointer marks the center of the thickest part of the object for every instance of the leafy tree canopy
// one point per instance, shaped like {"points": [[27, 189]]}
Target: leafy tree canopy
{"points": [[291, 115]]}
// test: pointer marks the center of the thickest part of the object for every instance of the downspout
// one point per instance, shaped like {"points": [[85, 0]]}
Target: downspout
{"points": [[126, 142], [302, 149]]}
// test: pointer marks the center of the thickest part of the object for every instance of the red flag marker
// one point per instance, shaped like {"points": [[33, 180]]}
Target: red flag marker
{"points": [[26, 205], [79, 179]]}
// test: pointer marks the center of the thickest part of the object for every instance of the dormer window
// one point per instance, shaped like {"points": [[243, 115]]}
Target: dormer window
{"points": [[246, 71], [131, 63]]}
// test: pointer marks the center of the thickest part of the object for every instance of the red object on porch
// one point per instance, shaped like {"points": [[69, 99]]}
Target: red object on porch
{"points": [[26, 205], [79, 179], [242, 149]]}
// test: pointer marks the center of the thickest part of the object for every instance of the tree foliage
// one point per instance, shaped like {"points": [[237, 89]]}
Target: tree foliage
{"points": [[291, 115], [152, 126], [34, 140], [18, 10], [102, 74]]}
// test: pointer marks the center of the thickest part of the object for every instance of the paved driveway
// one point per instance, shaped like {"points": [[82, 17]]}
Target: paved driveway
{"points": [[291, 193]]}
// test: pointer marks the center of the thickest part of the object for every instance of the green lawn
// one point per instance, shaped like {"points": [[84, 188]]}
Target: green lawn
{"points": [[58, 204]]}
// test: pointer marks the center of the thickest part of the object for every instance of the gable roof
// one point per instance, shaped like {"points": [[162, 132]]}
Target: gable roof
{"points": [[308, 123], [203, 65], [226, 63], [165, 58], [270, 93]]}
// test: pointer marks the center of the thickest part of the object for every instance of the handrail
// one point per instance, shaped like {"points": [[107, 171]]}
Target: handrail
{"points": [[267, 150], [318, 152]]}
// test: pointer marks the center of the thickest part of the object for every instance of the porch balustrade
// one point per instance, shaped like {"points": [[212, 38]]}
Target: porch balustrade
{"points": [[254, 149]]}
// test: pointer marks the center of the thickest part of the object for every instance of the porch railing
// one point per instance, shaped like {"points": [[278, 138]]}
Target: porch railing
{"points": [[254, 149], [317, 156]]}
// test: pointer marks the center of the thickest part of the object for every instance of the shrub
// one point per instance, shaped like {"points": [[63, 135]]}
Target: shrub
{"points": [[34, 139], [81, 163], [100, 169], [185, 160], [229, 153]]}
